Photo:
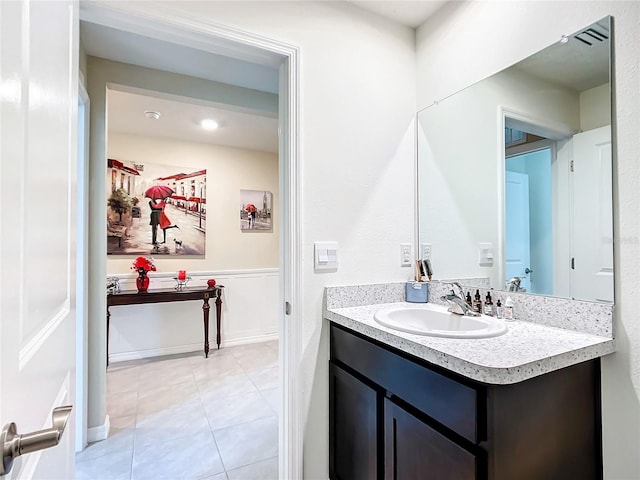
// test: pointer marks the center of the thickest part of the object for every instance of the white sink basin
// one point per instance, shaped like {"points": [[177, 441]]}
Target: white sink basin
{"points": [[436, 321]]}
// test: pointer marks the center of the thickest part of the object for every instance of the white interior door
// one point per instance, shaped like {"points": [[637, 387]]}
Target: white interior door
{"points": [[518, 240], [592, 225], [39, 76]]}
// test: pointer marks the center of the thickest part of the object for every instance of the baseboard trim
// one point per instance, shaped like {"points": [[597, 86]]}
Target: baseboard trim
{"points": [[154, 352], [101, 432], [188, 348], [247, 340]]}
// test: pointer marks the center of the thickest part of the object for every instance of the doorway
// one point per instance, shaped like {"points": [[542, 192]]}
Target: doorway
{"points": [[286, 56], [528, 216]]}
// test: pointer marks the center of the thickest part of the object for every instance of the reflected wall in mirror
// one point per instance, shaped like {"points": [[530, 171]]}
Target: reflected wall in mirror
{"points": [[514, 174]]}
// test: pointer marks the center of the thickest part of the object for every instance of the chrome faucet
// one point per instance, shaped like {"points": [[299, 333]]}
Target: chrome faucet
{"points": [[513, 285], [457, 303]]}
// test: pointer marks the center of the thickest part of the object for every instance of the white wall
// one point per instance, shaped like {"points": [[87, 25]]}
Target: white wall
{"points": [[249, 314], [228, 170], [467, 41], [594, 107], [357, 135]]}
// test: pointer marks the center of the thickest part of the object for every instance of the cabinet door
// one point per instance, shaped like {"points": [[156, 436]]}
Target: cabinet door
{"points": [[413, 450], [353, 430]]}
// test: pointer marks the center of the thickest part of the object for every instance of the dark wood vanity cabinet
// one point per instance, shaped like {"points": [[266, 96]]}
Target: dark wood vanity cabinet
{"points": [[413, 449], [354, 414], [394, 416]]}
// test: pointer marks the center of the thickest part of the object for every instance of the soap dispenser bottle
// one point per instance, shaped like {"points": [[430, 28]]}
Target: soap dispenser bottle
{"points": [[507, 310], [488, 305], [469, 300], [477, 302]]}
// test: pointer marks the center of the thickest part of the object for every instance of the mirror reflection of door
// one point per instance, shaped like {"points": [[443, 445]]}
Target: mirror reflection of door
{"points": [[592, 222], [517, 240], [536, 228], [528, 219]]}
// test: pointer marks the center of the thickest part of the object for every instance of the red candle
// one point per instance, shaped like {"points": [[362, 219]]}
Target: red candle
{"points": [[182, 275]]}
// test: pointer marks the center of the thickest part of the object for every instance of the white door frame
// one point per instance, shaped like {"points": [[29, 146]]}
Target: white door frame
{"points": [[173, 26], [82, 268], [542, 127]]}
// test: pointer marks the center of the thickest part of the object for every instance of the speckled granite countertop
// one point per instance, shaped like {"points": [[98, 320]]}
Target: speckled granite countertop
{"points": [[525, 351]]}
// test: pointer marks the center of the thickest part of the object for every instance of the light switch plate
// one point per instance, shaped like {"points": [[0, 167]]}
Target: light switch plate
{"points": [[325, 255], [485, 254], [406, 255]]}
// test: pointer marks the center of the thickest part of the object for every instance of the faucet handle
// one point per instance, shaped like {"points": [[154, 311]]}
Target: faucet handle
{"points": [[454, 286]]}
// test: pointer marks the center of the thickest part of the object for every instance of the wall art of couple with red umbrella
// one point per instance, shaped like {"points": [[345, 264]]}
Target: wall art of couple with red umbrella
{"points": [[147, 194], [157, 195]]}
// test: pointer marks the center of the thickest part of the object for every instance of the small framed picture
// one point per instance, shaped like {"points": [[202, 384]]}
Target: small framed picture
{"points": [[256, 210]]}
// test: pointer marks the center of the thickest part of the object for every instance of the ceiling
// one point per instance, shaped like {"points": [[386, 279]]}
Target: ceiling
{"points": [[145, 51], [579, 64], [179, 119], [412, 13], [240, 129]]}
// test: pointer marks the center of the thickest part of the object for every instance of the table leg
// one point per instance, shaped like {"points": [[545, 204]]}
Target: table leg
{"points": [[205, 311], [218, 315]]}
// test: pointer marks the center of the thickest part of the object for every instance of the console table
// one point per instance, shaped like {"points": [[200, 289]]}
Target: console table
{"points": [[172, 295]]}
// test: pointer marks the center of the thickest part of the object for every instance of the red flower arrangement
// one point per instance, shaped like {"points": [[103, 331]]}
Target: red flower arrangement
{"points": [[143, 265]]}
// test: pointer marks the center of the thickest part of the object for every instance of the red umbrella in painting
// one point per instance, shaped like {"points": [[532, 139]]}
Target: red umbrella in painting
{"points": [[250, 207], [158, 192]]}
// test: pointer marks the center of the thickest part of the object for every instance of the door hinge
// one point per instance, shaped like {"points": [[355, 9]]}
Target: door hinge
{"points": [[573, 263], [572, 166], [287, 308]]}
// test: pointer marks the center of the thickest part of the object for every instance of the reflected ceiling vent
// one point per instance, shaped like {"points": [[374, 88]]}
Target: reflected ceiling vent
{"points": [[591, 36]]}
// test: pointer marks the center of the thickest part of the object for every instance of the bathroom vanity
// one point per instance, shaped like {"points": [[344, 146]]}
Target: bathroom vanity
{"points": [[395, 416], [524, 405]]}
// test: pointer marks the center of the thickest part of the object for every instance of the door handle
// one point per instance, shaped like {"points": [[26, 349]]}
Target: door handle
{"points": [[14, 445], [527, 270]]}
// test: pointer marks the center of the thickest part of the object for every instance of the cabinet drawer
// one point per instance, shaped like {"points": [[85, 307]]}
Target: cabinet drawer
{"points": [[444, 399]]}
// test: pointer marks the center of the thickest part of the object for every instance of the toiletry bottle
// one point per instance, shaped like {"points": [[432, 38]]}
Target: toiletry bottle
{"points": [[469, 300], [477, 302], [499, 309], [488, 305], [507, 311]]}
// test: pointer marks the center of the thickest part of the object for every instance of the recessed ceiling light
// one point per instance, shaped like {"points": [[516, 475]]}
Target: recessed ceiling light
{"points": [[150, 114], [564, 39], [209, 124]]}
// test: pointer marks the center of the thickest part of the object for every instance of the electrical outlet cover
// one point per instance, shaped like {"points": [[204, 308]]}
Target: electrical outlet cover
{"points": [[425, 251]]}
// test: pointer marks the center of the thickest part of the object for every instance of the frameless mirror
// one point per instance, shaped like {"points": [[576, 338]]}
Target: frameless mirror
{"points": [[514, 174]]}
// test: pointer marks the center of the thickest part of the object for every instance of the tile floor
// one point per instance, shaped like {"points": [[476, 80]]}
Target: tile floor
{"points": [[186, 417]]}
